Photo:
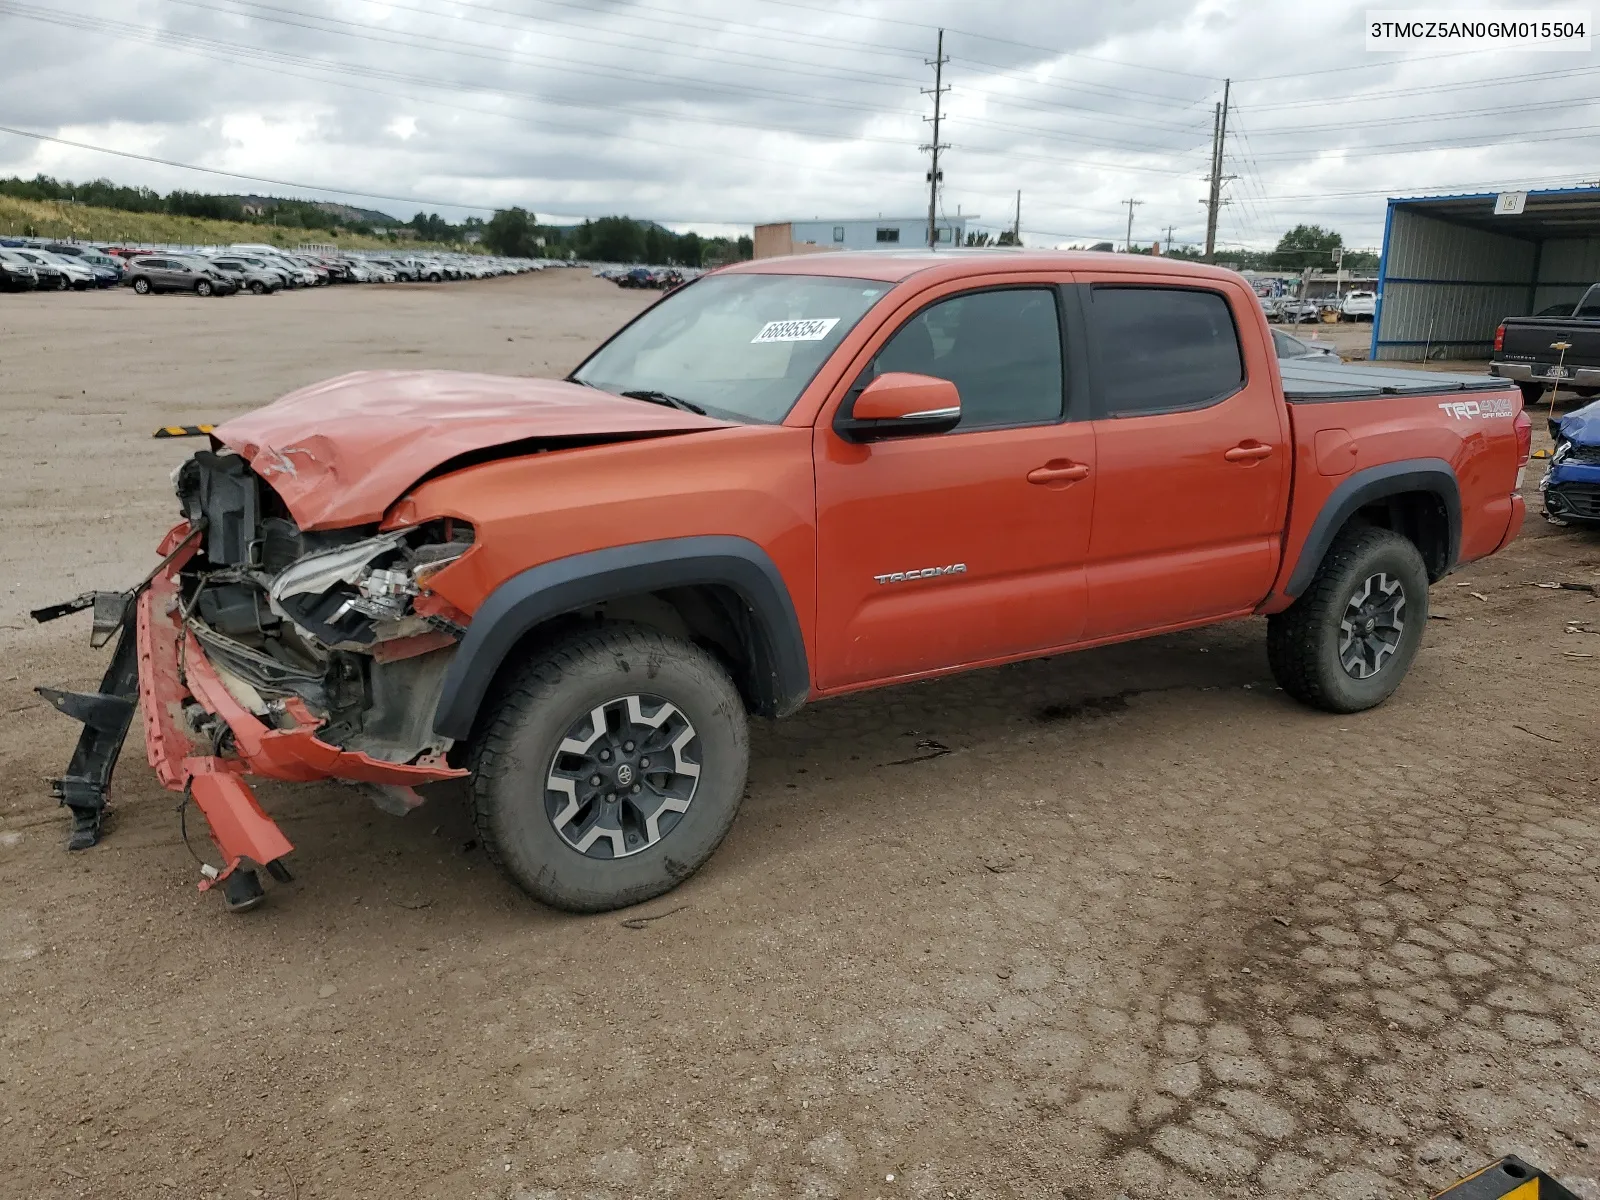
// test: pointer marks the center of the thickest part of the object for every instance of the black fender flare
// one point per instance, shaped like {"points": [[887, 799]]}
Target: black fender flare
{"points": [[781, 678], [1432, 475]]}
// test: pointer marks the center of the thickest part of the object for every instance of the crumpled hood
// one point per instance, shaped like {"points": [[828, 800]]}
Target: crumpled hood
{"points": [[341, 452], [1581, 425]]}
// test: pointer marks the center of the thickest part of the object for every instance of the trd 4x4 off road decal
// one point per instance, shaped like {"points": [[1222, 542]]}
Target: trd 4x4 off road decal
{"points": [[1466, 410], [925, 573]]}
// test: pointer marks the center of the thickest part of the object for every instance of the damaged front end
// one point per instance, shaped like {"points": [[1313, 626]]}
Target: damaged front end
{"points": [[258, 648], [1571, 488]]}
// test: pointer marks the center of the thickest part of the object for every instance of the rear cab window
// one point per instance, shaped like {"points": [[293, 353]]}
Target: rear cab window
{"points": [[1162, 349]]}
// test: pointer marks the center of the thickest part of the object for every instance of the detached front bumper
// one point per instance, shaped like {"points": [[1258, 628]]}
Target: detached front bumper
{"points": [[159, 663]]}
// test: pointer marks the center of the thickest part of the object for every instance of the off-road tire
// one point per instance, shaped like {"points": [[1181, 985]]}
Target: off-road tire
{"points": [[1303, 641], [513, 756], [1533, 394]]}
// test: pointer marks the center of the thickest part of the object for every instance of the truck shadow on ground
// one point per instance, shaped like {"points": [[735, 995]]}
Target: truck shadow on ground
{"points": [[806, 773]]}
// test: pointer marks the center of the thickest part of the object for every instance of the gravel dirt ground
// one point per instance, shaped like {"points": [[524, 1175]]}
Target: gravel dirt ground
{"points": [[1122, 923]]}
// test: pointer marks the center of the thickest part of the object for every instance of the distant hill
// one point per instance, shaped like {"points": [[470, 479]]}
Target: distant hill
{"points": [[348, 213], [34, 218]]}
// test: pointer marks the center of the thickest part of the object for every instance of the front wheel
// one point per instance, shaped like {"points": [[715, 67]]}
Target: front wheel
{"points": [[611, 769], [1348, 641]]}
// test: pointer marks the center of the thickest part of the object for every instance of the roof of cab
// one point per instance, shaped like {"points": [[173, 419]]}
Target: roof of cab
{"points": [[896, 265]]}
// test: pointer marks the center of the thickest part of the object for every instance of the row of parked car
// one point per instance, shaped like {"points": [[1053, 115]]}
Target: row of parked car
{"points": [[222, 271], [658, 278], [1352, 306]]}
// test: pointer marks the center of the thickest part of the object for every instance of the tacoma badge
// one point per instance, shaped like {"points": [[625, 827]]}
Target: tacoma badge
{"points": [[925, 573]]}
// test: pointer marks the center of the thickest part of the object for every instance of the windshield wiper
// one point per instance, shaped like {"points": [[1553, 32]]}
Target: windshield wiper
{"points": [[664, 398]]}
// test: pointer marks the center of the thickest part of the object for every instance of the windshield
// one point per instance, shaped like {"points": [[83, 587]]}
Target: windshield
{"points": [[739, 346]]}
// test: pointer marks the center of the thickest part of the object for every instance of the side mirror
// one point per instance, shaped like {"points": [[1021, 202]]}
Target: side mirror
{"points": [[900, 404]]}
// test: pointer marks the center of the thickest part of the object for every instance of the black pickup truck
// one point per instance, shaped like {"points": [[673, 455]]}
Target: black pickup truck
{"points": [[1526, 349]]}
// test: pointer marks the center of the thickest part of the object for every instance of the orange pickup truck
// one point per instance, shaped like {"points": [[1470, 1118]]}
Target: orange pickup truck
{"points": [[786, 481]]}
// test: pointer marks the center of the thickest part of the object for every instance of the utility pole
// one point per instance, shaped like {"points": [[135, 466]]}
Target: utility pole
{"points": [[935, 176], [1168, 242], [1219, 138], [1127, 243], [1016, 229]]}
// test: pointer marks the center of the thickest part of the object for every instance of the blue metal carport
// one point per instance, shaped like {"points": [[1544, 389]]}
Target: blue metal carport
{"points": [[1453, 267]]}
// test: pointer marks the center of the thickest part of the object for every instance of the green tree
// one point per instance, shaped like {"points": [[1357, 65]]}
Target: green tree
{"points": [[656, 244], [612, 239], [1306, 246], [689, 250], [510, 232]]}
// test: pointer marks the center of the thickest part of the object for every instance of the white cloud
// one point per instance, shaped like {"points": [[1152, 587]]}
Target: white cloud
{"points": [[710, 114]]}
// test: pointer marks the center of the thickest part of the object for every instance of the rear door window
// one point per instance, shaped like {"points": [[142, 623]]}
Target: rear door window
{"points": [[1161, 349]]}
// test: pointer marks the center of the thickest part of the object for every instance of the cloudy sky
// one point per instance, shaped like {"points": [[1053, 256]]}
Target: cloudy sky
{"points": [[717, 114]]}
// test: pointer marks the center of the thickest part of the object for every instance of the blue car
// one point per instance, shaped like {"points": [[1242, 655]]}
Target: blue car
{"points": [[1572, 486]]}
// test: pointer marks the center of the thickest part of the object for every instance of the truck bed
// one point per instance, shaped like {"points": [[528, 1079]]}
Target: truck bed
{"points": [[1309, 382]]}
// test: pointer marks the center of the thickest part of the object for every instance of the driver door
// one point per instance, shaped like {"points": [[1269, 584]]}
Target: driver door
{"points": [[947, 550]]}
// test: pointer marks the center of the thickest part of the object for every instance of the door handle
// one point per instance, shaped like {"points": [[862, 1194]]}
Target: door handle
{"points": [[1249, 452], [1067, 473]]}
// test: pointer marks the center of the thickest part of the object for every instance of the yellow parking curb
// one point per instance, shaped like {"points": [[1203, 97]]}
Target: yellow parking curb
{"points": [[1507, 1179]]}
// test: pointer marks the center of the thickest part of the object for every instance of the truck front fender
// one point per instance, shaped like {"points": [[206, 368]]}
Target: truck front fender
{"points": [[780, 677], [1431, 476]]}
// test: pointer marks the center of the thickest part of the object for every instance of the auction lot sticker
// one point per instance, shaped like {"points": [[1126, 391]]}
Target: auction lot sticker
{"points": [[1502, 29], [812, 329]]}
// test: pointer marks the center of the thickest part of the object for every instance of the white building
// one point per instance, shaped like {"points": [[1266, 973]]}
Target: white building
{"points": [[855, 233]]}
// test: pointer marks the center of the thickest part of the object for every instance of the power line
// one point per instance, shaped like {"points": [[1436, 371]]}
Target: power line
{"points": [[1425, 118], [1385, 149], [989, 37], [653, 41], [1570, 179], [276, 62], [1426, 89], [477, 50], [1366, 66], [309, 187], [212, 48]]}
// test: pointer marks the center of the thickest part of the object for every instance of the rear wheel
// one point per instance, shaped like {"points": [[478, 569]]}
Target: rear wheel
{"points": [[1532, 393], [611, 769], [202, 287], [258, 288], [1348, 641], [142, 286]]}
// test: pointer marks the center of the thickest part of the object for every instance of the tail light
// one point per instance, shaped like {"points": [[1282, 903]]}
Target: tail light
{"points": [[1524, 428], [1499, 339]]}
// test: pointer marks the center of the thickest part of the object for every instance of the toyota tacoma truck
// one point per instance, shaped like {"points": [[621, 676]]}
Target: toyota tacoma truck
{"points": [[787, 481]]}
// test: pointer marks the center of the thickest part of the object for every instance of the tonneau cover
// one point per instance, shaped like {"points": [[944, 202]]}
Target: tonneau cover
{"points": [[1309, 382]]}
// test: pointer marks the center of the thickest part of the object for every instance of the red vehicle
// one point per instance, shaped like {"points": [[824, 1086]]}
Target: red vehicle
{"points": [[786, 481]]}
